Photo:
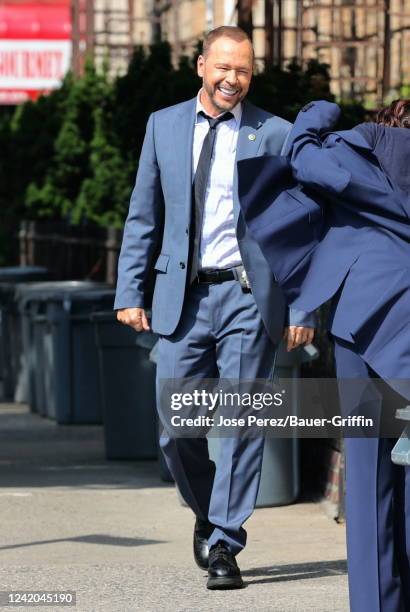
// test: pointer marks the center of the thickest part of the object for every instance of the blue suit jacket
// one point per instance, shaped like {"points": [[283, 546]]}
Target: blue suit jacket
{"points": [[350, 234], [156, 235]]}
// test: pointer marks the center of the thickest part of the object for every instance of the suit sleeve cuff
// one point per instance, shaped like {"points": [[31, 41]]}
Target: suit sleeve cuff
{"points": [[137, 302], [300, 318]]}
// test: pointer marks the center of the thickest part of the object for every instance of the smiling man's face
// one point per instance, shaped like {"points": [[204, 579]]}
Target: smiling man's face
{"points": [[226, 72]]}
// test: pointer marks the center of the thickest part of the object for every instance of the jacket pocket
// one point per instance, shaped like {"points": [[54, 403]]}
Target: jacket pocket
{"points": [[161, 264]]}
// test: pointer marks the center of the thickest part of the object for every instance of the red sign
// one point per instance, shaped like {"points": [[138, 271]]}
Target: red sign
{"points": [[35, 49]]}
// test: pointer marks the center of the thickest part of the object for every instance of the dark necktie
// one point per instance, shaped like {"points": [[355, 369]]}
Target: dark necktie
{"points": [[199, 188]]}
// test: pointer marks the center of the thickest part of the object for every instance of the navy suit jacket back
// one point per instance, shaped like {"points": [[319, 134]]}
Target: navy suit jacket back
{"points": [[350, 235]]}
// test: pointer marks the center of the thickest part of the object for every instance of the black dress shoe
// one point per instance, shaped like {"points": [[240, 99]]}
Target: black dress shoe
{"points": [[202, 531], [223, 572]]}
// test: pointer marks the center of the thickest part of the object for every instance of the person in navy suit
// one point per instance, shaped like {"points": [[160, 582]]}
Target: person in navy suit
{"points": [[344, 197], [216, 307]]}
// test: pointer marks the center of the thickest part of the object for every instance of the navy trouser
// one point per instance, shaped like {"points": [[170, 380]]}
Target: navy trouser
{"points": [[377, 502], [220, 335]]}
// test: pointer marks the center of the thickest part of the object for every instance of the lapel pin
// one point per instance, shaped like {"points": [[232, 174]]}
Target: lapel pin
{"points": [[251, 137]]}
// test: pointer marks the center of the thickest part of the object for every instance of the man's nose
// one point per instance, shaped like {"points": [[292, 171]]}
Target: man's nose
{"points": [[231, 78]]}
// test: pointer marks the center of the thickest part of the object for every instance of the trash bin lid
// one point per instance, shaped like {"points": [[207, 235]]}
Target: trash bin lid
{"points": [[86, 294], [26, 292], [21, 273], [10, 276], [81, 303]]}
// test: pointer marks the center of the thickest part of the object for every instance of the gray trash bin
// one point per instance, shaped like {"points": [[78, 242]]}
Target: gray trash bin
{"points": [[31, 299], [280, 477], [71, 375], [64, 369], [10, 324], [127, 378]]}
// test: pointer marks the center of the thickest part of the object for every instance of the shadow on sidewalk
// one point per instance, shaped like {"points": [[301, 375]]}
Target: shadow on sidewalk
{"points": [[35, 452], [97, 538], [296, 571]]}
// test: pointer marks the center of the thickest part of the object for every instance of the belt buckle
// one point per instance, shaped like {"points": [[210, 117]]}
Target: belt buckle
{"points": [[243, 278]]}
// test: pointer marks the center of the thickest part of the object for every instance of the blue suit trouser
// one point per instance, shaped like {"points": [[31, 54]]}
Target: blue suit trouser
{"points": [[220, 335], [377, 501]]}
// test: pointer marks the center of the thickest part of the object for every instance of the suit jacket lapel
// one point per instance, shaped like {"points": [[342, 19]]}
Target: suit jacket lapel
{"points": [[250, 135], [182, 150]]}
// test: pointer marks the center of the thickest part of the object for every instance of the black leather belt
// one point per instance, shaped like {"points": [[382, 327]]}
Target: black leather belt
{"points": [[215, 276]]}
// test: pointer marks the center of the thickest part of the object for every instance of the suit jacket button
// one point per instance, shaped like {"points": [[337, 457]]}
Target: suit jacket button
{"points": [[187, 231], [182, 265]]}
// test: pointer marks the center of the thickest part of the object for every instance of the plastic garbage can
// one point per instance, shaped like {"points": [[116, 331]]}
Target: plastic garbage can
{"points": [[71, 372], [127, 377], [10, 324], [31, 299], [63, 364], [280, 475]]}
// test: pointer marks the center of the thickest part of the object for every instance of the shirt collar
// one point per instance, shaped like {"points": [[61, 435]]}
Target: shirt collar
{"points": [[236, 111]]}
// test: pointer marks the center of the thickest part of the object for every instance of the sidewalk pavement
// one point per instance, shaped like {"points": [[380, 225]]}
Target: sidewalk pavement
{"points": [[118, 536]]}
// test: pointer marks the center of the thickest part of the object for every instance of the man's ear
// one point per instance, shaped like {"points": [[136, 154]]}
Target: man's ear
{"points": [[200, 66]]}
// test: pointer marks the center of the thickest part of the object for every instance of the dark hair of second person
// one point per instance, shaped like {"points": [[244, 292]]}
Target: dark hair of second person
{"points": [[397, 114]]}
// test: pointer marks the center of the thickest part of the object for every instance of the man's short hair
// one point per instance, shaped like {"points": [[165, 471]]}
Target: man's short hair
{"points": [[232, 32]]}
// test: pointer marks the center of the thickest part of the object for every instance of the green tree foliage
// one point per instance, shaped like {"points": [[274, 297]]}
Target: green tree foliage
{"points": [[33, 130], [151, 83], [70, 164], [73, 154], [104, 195]]}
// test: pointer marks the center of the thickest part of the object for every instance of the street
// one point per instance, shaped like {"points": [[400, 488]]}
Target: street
{"points": [[119, 537]]}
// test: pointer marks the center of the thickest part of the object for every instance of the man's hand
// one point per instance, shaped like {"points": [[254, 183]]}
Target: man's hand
{"points": [[134, 317], [295, 336]]}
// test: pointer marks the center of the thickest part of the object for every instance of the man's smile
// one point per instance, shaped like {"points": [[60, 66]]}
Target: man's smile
{"points": [[227, 91]]}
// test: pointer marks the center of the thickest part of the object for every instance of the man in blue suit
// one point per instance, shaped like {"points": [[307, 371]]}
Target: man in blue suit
{"points": [[217, 309]]}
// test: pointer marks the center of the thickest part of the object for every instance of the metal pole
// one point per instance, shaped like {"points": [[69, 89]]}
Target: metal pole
{"points": [[386, 50], [299, 30], [156, 34], [23, 233], [131, 17], [89, 28], [268, 32], [177, 46], [245, 19], [112, 249], [75, 36]]}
